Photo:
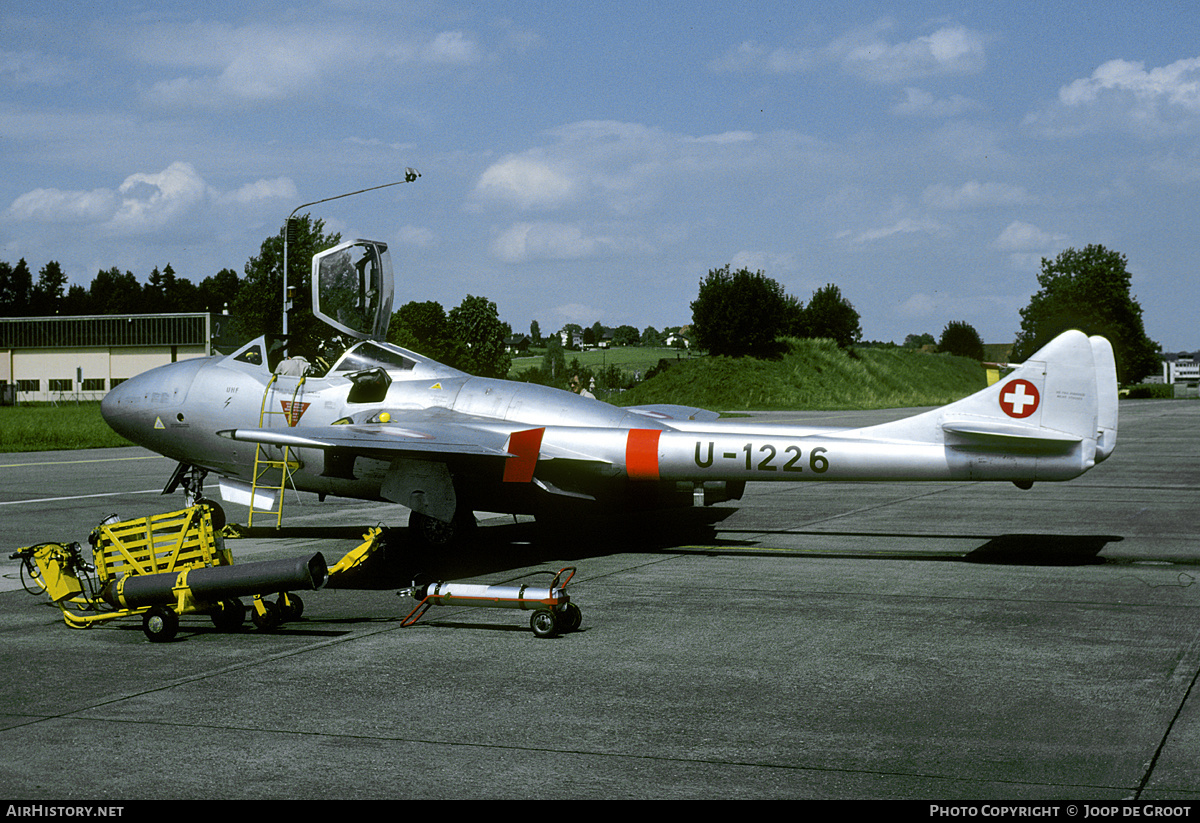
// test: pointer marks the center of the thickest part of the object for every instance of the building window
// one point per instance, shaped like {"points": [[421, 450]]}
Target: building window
{"points": [[62, 385], [93, 384], [29, 385]]}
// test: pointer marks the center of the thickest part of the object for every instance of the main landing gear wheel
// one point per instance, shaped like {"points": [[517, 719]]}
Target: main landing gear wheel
{"points": [[429, 531], [160, 624]]}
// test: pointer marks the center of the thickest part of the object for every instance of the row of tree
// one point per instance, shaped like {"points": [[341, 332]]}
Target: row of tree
{"points": [[739, 313], [111, 292], [736, 313]]}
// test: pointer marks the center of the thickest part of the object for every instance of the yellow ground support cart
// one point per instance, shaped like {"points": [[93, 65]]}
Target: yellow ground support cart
{"points": [[161, 567]]}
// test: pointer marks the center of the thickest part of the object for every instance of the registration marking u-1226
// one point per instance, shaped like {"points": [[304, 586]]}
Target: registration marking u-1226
{"points": [[764, 458]]}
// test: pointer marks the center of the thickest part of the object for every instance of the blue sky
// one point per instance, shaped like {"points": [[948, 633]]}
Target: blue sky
{"points": [[589, 162]]}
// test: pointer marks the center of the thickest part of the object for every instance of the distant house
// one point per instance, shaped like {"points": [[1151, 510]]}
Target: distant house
{"points": [[1180, 367], [571, 339], [518, 344]]}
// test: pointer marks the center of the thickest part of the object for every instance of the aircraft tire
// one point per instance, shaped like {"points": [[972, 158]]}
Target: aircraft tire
{"points": [[433, 533], [160, 624]]}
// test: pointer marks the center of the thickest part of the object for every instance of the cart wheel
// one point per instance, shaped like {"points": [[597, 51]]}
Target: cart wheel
{"points": [[266, 622], [544, 623], [570, 617], [215, 513], [160, 624], [290, 607], [230, 616]]}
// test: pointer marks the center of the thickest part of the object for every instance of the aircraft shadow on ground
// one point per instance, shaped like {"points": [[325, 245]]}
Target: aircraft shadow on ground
{"points": [[498, 549], [1004, 549]]}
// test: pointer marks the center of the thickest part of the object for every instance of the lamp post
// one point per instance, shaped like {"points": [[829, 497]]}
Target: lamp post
{"points": [[409, 176]]}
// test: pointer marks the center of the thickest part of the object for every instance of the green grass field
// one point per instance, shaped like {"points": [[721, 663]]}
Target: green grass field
{"points": [[49, 428]]}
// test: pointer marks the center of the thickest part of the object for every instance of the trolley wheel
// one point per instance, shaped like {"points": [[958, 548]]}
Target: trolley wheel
{"points": [[270, 620], [230, 616], [160, 624], [570, 617], [290, 607], [544, 623]]}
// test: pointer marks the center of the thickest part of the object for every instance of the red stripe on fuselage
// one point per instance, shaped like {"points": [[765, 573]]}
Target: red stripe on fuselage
{"points": [[641, 454], [524, 446]]}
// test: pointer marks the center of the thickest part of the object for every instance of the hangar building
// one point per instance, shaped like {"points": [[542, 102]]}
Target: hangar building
{"points": [[72, 359]]}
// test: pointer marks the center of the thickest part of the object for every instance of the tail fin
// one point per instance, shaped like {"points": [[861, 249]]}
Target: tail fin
{"points": [[1056, 415]]}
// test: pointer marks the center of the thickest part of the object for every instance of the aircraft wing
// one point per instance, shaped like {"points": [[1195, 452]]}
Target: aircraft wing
{"points": [[418, 433]]}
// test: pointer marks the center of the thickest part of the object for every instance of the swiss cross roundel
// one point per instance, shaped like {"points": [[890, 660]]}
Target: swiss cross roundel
{"points": [[1019, 398]]}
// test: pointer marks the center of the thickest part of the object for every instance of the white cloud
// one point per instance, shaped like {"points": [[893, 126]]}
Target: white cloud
{"points": [[144, 201], [1019, 236], [949, 50], [973, 195], [528, 183], [417, 236], [769, 263], [265, 62], [750, 56], [919, 103], [523, 242], [1124, 95], [905, 225]]}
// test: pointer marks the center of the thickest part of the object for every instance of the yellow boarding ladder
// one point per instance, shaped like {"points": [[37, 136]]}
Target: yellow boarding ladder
{"points": [[272, 474]]}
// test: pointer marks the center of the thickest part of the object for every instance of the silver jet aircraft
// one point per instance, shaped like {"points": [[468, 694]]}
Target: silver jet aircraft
{"points": [[385, 423]]}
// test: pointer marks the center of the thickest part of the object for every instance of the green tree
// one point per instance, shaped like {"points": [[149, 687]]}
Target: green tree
{"points": [[47, 295], [16, 289], [219, 291], [114, 292], [1089, 290], [739, 313], [626, 335], [554, 362], [258, 307], [830, 315], [960, 338], [916, 341], [424, 328], [475, 324], [535, 333]]}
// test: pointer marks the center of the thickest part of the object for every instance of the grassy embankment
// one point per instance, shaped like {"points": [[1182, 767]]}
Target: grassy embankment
{"points": [[815, 374]]}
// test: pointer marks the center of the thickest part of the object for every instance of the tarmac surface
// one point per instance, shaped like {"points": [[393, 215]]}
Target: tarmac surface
{"points": [[934, 641]]}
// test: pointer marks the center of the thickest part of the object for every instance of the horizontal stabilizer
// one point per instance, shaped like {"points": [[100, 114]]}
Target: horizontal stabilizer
{"points": [[667, 411], [985, 432]]}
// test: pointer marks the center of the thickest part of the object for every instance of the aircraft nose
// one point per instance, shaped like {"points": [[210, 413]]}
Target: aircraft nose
{"points": [[139, 408]]}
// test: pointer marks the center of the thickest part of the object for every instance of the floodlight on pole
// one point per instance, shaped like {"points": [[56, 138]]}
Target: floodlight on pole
{"points": [[410, 175]]}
